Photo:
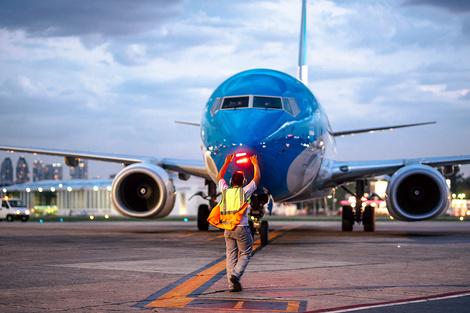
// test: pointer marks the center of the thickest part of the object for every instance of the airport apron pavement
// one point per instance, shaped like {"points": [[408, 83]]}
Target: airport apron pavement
{"points": [[167, 266]]}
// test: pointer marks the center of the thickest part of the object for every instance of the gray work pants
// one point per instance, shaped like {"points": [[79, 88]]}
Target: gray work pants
{"points": [[239, 244]]}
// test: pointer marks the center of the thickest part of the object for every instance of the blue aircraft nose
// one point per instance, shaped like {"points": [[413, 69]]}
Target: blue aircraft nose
{"points": [[249, 128]]}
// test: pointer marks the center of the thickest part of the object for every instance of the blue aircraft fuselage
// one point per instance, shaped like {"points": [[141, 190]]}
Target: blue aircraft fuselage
{"points": [[275, 116]]}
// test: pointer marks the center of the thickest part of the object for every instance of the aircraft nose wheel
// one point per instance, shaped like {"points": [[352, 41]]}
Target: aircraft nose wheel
{"points": [[261, 228], [257, 226], [264, 233]]}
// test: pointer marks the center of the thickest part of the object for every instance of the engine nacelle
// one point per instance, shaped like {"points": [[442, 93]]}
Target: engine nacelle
{"points": [[417, 192], [143, 190], [71, 161]]}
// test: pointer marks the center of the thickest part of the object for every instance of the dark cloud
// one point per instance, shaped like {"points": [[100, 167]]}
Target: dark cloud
{"points": [[411, 26], [161, 28], [149, 63], [81, 18], [456, 6]]}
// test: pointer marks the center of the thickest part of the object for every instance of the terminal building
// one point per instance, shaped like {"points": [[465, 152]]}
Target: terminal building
{"points": [[80, 197], [49, 194]]}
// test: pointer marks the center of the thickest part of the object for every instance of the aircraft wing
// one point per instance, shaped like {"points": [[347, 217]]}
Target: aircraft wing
{"points": [[191, 167], [346, 171], [374, 129]]}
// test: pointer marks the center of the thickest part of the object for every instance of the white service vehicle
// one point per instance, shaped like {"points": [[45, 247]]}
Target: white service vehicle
{"points": [[12, 209]]}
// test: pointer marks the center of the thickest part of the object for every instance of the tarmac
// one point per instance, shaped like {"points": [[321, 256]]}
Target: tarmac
{"points": [[163, 266]]}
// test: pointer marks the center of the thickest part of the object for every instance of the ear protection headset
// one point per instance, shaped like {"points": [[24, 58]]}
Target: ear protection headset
{"points": [[238, 173]]}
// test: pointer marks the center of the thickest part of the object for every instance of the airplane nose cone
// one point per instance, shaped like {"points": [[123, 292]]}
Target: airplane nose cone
{"points": [[249, 128]]}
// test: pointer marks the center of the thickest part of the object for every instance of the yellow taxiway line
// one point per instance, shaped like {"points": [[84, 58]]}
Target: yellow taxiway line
{"points": [[180, 296]]}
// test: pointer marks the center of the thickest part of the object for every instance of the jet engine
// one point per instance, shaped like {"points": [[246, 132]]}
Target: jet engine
{"points": [[417, 192], [143, 190]]}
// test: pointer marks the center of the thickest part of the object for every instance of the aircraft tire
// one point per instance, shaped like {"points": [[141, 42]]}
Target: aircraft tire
{"points": [[202, 215], [348, 218], [264, 233], [368, 219], [252, 229]]}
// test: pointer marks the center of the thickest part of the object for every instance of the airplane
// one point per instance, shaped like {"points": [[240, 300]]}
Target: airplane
{"points": [[275, 116]]}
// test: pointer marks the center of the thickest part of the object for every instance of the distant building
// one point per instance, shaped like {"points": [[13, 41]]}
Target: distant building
{"points": [[47, 172], [22, 171], [39, 170], [6, 173], [80, 171], [53, 172]]}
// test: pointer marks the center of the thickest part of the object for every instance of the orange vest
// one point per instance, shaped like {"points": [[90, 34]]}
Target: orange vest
{"points": [[228, 213]]}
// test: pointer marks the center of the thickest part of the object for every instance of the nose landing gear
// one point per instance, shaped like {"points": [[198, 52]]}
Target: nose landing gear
{"points": [[257, 226]]}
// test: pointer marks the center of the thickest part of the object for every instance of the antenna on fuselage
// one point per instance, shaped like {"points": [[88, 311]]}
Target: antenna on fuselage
{"points": [[303, 68]]}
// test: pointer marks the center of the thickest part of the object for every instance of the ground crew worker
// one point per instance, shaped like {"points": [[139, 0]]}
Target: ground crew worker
{"points": [[239, 242]]}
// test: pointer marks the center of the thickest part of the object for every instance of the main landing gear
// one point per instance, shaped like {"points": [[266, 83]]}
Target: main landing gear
{"points": [[203, 210], [365, 215]]}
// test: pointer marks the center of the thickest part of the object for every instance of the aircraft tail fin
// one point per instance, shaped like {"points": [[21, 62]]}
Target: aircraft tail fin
{"points": [[302, 74]]}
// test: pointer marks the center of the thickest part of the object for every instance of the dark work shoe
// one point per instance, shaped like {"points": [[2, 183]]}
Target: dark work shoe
{"points": [[236, 284]]}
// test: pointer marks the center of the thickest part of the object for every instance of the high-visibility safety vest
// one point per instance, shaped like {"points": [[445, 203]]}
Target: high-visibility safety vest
{"points": [[228, 213]]}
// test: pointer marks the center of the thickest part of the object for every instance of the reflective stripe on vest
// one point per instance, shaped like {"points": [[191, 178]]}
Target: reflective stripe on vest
{"points": [[233, 206], [236, 199]]}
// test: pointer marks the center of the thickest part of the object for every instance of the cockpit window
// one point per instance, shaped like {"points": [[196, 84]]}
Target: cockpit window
{"points": [[291, 106], [287, 106], [216, 106], [267, 102], [257, 102], [236, 102]]}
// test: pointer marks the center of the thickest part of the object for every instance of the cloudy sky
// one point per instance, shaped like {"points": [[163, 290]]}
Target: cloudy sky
{"points": [[113, 76]]}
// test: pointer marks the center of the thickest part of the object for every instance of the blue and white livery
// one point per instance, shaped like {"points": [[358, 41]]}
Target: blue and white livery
{"points": [[272, 115], [275, 116]]}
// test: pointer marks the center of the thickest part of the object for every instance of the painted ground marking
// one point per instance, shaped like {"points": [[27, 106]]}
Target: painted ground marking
{"points": [[185, 292]]}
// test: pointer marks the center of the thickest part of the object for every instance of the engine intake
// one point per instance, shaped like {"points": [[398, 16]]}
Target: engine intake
{"points": [[143, 190], [417, 192]]}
